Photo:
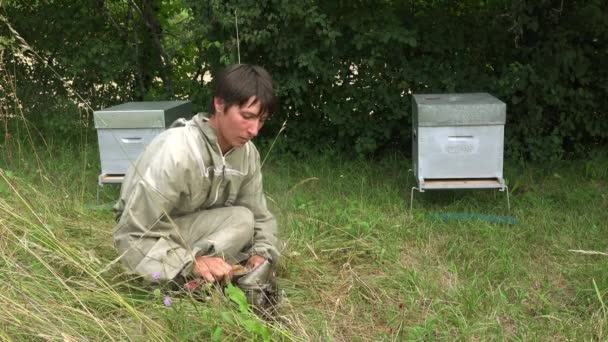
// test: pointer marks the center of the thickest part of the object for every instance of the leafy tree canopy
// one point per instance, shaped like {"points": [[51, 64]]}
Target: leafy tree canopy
{"points": [[343, 70]]}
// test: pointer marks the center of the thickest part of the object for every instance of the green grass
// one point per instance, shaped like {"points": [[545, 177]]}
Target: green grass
{"points": [[355, 265]]}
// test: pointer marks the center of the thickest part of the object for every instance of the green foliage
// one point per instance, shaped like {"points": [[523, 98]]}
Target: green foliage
{"points": [[343, 69], [246, 319], [557, 83]]}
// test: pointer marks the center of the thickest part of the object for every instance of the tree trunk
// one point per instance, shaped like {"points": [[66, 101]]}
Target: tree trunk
{"points": [[156, 33]]}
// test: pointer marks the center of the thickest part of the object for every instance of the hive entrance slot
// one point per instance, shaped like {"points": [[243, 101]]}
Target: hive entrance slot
{"points": [[454, 181]]}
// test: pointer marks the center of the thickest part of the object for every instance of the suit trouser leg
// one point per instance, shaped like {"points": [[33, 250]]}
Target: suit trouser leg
{"points": [[225, 232]]}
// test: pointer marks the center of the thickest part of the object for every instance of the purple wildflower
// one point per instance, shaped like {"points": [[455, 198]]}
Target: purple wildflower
{"points": [[167, 301], [156, 276]]}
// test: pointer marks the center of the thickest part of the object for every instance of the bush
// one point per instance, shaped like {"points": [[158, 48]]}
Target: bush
{"points": [[344, 70]]}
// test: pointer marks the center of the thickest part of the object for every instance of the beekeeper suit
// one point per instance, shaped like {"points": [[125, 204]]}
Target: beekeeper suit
{"points": [[193, 204]]}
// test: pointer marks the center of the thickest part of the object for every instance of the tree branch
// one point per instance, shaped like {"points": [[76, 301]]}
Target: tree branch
{"points": [[156, 32]]}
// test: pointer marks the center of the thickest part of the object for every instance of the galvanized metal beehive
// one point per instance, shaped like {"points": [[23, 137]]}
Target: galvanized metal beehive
{"points": [[124, 131], [458, 141]]}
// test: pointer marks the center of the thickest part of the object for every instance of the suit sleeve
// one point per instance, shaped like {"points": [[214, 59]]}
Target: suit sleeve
{"points": [[251, 196]]}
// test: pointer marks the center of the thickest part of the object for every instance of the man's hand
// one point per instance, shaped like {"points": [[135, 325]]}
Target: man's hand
{"points": [[255, 261], [212, 268]]}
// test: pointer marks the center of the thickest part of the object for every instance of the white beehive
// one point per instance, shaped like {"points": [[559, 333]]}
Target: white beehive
{"points": [[458, 141], [124, 131]]}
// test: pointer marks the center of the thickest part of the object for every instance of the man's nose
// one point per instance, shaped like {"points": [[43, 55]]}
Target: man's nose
{"points": [[253, 128]]}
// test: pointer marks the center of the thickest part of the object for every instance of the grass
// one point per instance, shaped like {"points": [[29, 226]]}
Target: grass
{"points": [[355, 265]]}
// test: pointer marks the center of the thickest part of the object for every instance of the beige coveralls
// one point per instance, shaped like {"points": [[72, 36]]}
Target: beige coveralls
{"points": [[183, 198]]}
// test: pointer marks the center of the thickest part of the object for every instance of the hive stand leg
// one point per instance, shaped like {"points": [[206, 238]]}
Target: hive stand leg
{"points": [[508, 202], [99, 185], [412, 197], [505, 188]]}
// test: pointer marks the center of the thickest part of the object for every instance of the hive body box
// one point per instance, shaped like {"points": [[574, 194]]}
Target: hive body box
{"points": [[458, 141], [125, 130]]}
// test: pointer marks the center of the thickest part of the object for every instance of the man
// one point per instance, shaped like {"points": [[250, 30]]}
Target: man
{"points": [[192, 205]]}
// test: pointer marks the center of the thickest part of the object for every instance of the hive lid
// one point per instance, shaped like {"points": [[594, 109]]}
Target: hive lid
{"points": [[458, 110], [145, 114]]}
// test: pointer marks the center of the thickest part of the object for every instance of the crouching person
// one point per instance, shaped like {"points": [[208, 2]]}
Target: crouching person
{"points": [[192, 206]]}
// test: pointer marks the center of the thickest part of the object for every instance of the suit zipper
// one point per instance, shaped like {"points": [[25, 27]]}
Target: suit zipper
{"points": [[219, 185]]}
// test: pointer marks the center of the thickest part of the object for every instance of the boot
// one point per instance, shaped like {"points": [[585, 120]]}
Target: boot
{"points": [[260, 288]]}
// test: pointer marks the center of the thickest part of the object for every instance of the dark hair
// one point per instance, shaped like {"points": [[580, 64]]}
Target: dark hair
{"points": [[238, 83]]}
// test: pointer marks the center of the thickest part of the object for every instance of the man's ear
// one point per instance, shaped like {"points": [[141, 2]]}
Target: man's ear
{"points": [[218, 103]]}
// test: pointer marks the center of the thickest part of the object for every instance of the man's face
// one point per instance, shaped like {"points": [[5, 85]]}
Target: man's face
{"points": [[236, 125]]}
